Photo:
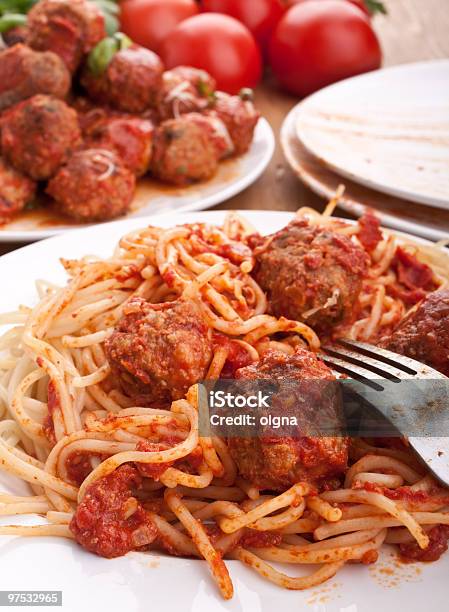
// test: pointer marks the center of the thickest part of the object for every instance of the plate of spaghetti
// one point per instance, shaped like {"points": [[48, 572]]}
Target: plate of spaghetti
{"points": [[110, 493]]}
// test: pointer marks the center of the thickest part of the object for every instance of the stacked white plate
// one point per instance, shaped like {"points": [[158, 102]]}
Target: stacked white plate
{"points": [[385, 135]]}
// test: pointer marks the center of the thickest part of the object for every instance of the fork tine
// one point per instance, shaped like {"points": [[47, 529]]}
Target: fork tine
{"points": [[371, 366], [354, 371], [407, 365], [380, 368]]}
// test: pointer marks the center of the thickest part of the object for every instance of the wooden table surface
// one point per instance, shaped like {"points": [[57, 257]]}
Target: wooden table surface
{"points": [[413, 30]]}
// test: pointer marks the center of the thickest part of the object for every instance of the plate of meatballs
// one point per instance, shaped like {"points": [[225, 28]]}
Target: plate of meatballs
{"points": [[92, 128], [100, 404]]}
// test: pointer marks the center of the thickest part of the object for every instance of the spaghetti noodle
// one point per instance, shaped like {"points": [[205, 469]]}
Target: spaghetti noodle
{"points": [[68, 430]]}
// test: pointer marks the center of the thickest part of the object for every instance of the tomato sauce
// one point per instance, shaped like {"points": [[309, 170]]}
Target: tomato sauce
{"points": [[415, 278], [438, 544], [152, 470], [131, 271], [64, 39], [260, 539], [369, 233], [235, 252], [414, 499], [109, 521], [78, 466], [238, 356]]}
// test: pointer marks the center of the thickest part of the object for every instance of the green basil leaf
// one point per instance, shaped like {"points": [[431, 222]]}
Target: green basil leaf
{"points": [[11, 20], [101, 55]]}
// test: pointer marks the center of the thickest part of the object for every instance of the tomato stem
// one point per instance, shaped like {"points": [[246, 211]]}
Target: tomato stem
{"points": [[374, 6]]}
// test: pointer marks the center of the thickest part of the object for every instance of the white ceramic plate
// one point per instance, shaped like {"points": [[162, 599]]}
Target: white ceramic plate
{"points": [[388, 130], [154, 198], [397, 213], [145, 582]]}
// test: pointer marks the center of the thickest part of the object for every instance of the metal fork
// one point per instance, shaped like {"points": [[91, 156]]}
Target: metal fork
{"points": [[409, 395]]}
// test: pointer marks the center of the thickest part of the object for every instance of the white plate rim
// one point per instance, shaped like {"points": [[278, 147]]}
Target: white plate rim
{"points": [[209, 216], [435, 202], [264, 133]]}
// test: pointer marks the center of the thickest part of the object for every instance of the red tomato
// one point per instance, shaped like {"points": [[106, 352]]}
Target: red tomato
{"points": [[260, 16], [360, 3], [148, 22], [219, 44], [318, 43]]}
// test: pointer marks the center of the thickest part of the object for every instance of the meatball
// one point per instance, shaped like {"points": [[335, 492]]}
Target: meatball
{"points": [[39, 134], [183, 152], [311, 274], [16, 190], [158, 351], [15, 36], [69, 28], [131, 138], [201, 80], [25, 73], [216, 131], [94, 185], [130, 82], [424, 334], [184, 90], [306, 390], [239, 116]]}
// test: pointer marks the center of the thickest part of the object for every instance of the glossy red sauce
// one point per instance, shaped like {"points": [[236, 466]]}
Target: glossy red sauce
{"points": [[235, 252], [369, 233], [413, 499], [101, 523], [349, 257], [130, 137], [369, 557], [213, 531], [256, 241], [152, 470], [195, 458], [131, 271], [169, 277], [238, 356], [64, 38], [78, 467], [259, 539], [438, 544], [415, 278], [331, 483], [250, 538]]}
